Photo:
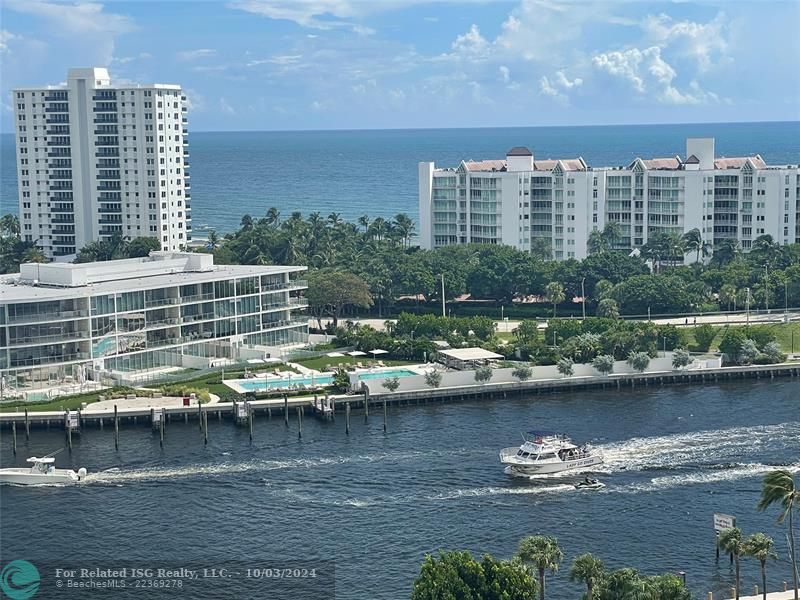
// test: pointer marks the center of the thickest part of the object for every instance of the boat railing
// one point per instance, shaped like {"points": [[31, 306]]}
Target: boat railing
{"points": [[509, 452]]}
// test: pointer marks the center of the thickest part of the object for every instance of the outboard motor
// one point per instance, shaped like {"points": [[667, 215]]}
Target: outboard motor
{"points": [[81, 473]]}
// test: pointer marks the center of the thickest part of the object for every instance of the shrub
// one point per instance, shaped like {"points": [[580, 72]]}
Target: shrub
{"points": [[704, 334], [564, 366], [483, 374], [681, 358], [604, 364], [639, 361], [391, 384], [748, 351], [773, 352], [433, 379], [341, 381], [522, 372]]}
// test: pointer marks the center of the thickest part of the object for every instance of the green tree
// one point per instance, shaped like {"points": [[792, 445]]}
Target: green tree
{"points": [[543, 554], [341, 381], [704, 334], [760, 546], [773, 352], [483, 374], [748, 351], [681, 358], [565, 366], [391, 384], [527, 332], [589, 570], [639, 361], [693, 241], [433, 378], [730, 541], [604, 364], [554, 291], [522, 372], [727, 294], [608, 308], [142, 246], [331, 291], [780, 488], [457, 575]]}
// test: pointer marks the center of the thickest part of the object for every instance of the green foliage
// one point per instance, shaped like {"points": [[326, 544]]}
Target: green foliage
{"points": [[603, 364], [522, 372], [748, 351], [341, 381], [543, 554], [583, 347], [670, 337], [608, 307], [117, 247], [458, 575], [184, 389], [704, 334], [589, 570], [639, 361], [565, 366], [659, 293], [442, 328], [527, 332], [559, 330], [681, 358], [433, 378], [330, 292], [628, 584], [773, 352], [554, 291], [391, 384], [483, 374]]}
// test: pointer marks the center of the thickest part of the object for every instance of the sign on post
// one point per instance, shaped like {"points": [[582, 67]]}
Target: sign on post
{"points": [[72, 420], [723, 522]]}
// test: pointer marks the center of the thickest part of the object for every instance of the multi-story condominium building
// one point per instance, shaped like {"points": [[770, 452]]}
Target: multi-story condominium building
{"points": [[96, 159], [61, 320], [525, 202]]}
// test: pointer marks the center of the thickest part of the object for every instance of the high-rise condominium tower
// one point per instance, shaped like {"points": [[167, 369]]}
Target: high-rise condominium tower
{"points": [[95, 160]]}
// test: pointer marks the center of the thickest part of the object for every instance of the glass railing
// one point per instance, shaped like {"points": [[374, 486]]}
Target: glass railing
{"points": [[48, 316], [46, 360], [161, 302], [38, 339]]}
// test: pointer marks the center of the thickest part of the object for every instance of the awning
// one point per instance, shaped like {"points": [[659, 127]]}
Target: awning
{"points": [[378, 351], [470, 354], [357, 353], [335, 354]]}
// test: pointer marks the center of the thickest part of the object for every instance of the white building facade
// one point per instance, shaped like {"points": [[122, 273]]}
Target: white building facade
{"points": [[121, 317], [96, 160], [526, 203]]}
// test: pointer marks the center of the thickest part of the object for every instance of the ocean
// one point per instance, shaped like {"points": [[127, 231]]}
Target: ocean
{"points": [[374, 172], [370, 505]]}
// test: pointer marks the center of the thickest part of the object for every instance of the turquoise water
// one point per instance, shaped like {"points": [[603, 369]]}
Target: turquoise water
{"points": [[255, 385], [375, 172]]}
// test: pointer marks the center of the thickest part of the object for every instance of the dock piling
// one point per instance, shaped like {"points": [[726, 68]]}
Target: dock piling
{"points": [[286, 410], [116, 429], [204, 415], [14, 436], [250, 421], [299, 423], [366, 404], [161, 427], [27, 426], [347, 419], [384, 415]]}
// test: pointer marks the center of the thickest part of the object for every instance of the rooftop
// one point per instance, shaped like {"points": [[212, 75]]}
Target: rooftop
{"points": [[470, 354], [55, 281]]}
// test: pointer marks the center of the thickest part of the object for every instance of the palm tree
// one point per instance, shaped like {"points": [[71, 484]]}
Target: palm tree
{"points": [[213, 240], [554, 291], [677, 247], [731, 542], [759, 546], [34, 254], [273, 216], [596, 243], [779, 488], [725, 252], [9, 225], [363, 220], [727, 294], [246, 223], [587, 569], [611, 233], [693, 240], [543, 553], [404, 226], [335, 219]]}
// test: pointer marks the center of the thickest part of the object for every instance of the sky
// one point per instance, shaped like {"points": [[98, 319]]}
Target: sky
{"points": [[359, 64]]}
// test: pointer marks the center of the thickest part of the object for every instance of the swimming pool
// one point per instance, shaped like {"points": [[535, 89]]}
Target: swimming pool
{"points": [[258, 384]]}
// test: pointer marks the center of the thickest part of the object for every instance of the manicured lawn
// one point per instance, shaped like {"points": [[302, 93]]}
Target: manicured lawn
{"points": [[783, 334], [325, 361]]}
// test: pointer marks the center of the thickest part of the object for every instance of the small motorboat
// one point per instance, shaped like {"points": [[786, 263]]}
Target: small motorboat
{"points": [[589, 484], [43, 472]]}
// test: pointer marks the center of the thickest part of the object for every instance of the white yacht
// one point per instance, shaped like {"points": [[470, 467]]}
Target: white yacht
{"points": [[43, 472], [546, 453]]}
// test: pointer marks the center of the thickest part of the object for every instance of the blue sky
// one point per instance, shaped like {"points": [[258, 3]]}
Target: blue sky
{"points": [[333, 64]]}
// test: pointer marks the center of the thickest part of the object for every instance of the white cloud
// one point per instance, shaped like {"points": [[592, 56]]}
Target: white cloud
{"points": [[5, 39], [649, 74], [225, 107], [188, 55], [505, 73], [195, 101], [313, 14], [702, 42], [123, 60], [84, 24], [558, 86], [471, 45]]}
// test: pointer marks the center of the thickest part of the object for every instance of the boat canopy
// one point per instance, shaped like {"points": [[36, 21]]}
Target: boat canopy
{"points": [[46, 460], [543, 434]]}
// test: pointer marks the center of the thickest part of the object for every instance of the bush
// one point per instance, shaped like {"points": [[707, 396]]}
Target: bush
{"points": [[522, 372], [433, 379], [341, 381], [604, 364], [564, 366], [483, 374], [704, 334], [681, 358], [748, 351], [639, 361], [391, 384], [773, 352]]}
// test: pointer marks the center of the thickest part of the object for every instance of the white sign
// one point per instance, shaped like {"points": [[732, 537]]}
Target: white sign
{"points": [[723, 522], [72, 420], [241, 410]]}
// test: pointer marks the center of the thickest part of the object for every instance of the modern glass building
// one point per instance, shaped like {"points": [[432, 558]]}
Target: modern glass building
{"points": [[63, 322]]}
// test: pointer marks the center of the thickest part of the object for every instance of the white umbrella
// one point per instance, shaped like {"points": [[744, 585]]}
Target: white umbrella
{"points": [[378, 351], [357, 353], [335, 354]]}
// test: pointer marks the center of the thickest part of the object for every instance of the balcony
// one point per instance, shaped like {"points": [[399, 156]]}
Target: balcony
{"points": [[63, 230], [284, 323], [108, 221], [110, 209], [60, 338], [111, 232], [62, 208], [196, 298], [163, 342], [298, 303], [108, 107], [63, 186], [107, 142], [161, 302], [108, 185], [105, 152], [46, 360], [105, 97], [56, 97], [47, 316], [106, 119], [58, 142], [108, 176], [63, 219], [57, 109]]}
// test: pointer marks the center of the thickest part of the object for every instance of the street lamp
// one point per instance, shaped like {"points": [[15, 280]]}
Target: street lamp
{"points": [[583, 297], [747, 304], [444, 313], [766, 288]]}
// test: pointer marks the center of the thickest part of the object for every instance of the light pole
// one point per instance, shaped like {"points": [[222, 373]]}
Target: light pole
{"points": [[583, 298], [747, 304], [444, 313], [766, 288]]}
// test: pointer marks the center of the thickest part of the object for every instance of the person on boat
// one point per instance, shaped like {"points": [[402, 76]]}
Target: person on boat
{"points": [[587, 481]]}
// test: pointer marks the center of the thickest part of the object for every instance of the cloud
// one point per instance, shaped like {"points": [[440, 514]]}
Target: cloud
{"points": [[505, 73], [649, 74], [282, 60], [471, 45], [195, 101], [703, 42], [558, 86], [312, 14], [5, 40], [225, 107], [188, 55], [85, 24], [128, 59]]}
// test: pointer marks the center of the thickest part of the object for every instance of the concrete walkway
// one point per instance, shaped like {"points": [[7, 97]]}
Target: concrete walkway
{"points": [[139, 402], [771, 596]]}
